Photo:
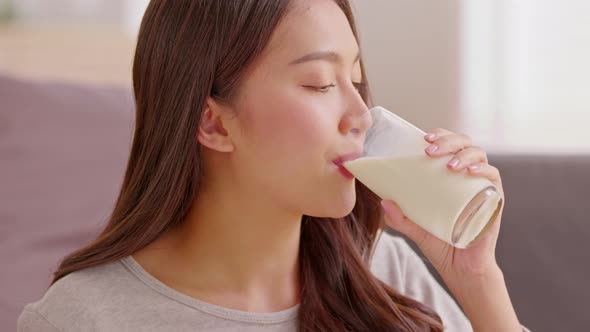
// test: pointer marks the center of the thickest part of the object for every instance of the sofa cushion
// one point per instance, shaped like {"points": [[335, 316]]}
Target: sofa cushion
{"points": [[544, 243], [63, 152]]}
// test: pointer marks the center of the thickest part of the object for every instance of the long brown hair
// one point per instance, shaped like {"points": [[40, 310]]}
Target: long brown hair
{"points": [[188, 50]]}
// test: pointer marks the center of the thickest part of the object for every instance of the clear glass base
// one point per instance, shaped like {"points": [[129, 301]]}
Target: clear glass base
{"points": [[466, 219]]}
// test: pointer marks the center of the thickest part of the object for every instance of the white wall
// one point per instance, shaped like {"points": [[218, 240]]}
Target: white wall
{"points": [[63, 11], [526, 82], [126, 13], [411, 50], [514, 75]]}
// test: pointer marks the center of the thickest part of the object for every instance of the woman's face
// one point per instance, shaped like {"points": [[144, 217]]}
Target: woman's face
{"points": [[297, 111]]}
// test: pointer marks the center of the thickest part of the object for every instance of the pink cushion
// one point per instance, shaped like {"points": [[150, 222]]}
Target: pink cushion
{"points": [[63, 152]]}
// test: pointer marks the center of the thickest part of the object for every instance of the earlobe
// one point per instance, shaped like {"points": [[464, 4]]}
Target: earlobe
{"points": [[212, 133]]}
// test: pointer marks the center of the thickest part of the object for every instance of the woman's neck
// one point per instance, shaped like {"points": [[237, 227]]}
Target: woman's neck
{"points": [[232, 250]]}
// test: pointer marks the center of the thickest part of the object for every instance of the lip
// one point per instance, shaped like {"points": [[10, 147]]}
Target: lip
{"points": [[347, 157], [344, 158]]}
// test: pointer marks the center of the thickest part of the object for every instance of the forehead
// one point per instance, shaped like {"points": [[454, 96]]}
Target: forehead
{"points": [[311, 26]]}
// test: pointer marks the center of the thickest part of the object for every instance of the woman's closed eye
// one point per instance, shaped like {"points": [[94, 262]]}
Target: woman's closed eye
{"points": [[323, 88], [359, 86]]}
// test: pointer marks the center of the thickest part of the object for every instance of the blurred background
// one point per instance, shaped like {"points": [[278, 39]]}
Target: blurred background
{"points": [[514, 75]]}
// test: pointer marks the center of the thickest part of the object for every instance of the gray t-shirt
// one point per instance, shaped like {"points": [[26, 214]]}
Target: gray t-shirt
{"points": [[122, 296]]}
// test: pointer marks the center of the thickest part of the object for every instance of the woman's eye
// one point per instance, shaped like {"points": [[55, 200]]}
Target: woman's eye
{"points": [[359, 86], [324, 88]]}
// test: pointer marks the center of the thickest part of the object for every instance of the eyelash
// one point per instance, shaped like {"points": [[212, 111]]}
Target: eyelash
{"points": [[323, 89]]}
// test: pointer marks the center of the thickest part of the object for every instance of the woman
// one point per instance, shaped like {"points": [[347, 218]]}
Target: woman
{"points": [[234, 214]]}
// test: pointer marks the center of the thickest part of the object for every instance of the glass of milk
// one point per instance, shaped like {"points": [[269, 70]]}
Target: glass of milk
{"points": [[456, 207]]}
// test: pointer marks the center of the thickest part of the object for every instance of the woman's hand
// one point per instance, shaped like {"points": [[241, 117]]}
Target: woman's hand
{"points": [[471, 274], [454, 265]]}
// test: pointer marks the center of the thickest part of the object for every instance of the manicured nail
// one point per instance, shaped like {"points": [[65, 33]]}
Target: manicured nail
{"points": [[454, 162], [475, 167], [431, 136], [432, 148]]}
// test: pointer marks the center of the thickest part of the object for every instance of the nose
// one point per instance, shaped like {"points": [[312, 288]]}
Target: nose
{"points": [[356, 119]]}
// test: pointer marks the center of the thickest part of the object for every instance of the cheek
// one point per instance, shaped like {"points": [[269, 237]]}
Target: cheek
{"points": [[291, 125]]}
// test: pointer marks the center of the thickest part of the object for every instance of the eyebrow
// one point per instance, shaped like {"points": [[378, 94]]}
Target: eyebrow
{"points": [[329, 56]]}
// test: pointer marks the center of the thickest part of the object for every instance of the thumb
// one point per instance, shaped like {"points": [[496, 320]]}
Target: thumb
{"points": [[396, 219]]}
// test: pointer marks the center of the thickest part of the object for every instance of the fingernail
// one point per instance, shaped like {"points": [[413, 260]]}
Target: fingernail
{"points": [[431, 136], [432, 148], [454, 162], [475, 167]]}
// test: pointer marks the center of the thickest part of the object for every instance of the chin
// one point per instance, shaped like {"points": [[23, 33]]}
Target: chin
{"points": [[338, 209], [341, 215]]}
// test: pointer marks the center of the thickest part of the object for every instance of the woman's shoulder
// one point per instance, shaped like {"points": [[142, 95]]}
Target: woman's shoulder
{"points": [[388, 243], [76, 295], [390, 258], [96, 282], [395, 263]]}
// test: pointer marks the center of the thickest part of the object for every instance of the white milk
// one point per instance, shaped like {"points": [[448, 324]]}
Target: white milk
{"points": [[432, 195]]}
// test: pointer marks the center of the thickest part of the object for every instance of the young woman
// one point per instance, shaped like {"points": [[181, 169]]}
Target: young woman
{"points": [[234, 214]]}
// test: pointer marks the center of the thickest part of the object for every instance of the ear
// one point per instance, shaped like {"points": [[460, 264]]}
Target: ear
{"points": [[212, 133]]}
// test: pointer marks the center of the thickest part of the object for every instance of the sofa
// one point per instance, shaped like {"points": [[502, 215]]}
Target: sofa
{"points": [[63, 151]]}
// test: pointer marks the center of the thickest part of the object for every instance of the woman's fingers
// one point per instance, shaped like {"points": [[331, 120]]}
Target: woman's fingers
{"points": [[467, 157], [431, 246], [395, 219], [436, 133], [447, 143], [487, 171]]}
